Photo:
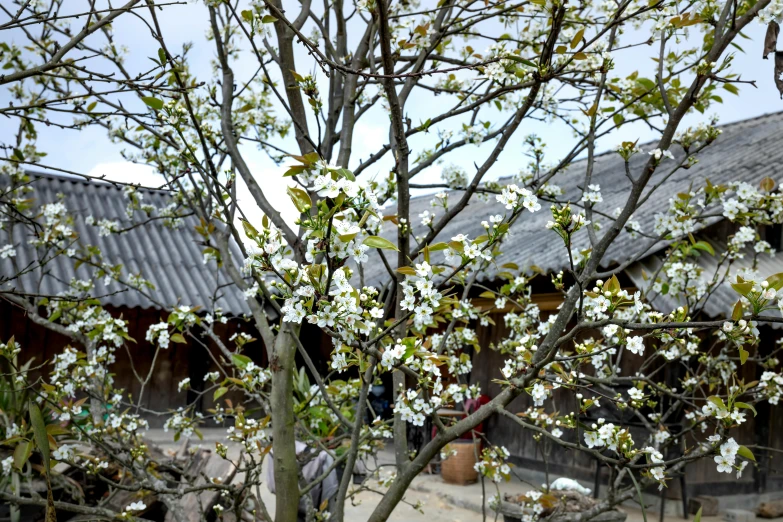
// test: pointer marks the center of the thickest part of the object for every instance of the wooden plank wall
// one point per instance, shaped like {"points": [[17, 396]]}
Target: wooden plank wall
{"points": [[179, 361], [701, 478]]}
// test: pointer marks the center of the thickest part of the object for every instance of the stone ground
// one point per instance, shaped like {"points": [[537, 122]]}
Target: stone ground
{"points": [[440, 501]]}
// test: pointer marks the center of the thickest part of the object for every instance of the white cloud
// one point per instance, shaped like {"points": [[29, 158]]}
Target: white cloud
{"points": [[127, 172], [273, 184]]}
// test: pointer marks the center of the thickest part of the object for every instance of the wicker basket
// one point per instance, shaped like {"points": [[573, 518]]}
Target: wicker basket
{"points": [[458, 468]]}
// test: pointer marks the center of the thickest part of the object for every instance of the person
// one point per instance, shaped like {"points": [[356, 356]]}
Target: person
{"points": [[316, 463]]}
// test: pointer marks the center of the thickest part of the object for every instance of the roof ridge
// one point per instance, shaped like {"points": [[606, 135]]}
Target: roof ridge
{"points": [[647, 143], [93, 181]]}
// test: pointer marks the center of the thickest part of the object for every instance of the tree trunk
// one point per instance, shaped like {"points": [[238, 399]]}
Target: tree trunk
{"points": [[286, 469]]}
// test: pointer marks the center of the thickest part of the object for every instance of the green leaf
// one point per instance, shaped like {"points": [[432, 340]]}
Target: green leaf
{"points": [[743, 288], [39, 431], [241, 360], [776, 281], [379, 242], [268, 19], [250, 230], [639, 492], [717, 401], [153, 103], [22, 452], [736, 314], [697, 518], [91, 106], [178, 338], [646, 83], [745, 406], [767, 184], [743, 353], [42, 441], [613, 285], [703, 245], [301, 199], [406, 270], [577, 38], [745, 452], [219, 393], [162, 56], [294, 170], [519, 59]]}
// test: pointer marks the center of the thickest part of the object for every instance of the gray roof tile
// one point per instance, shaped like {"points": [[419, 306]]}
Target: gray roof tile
{"points": [[746, 150], [169, 258]]}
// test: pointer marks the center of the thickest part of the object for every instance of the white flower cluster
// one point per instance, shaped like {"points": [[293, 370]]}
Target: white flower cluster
{"points": [[771, 385], [658, 470], [493, 464], [7, 251], [474, 133], [428, 296], [253, 376], [726, 460], [658, 154], [721, 411], [159, 331], [614, 438], [678, 218], [126, 422], [683, 279], [454, 176], [514, 197], [182, 423], [635, 345], [592, 195], [745, 197]]}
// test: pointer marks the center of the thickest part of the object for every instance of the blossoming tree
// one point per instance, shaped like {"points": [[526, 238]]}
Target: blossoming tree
{"points": [[67, 69]]}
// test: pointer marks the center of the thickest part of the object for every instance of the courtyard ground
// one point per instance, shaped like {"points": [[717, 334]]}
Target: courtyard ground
{"points": [[439, 501]]}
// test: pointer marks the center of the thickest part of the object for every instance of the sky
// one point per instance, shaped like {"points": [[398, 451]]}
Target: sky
{"points": [[89, 151]]}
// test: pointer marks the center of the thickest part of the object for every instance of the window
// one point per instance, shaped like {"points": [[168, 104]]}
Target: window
{"points": [[773, 235]]}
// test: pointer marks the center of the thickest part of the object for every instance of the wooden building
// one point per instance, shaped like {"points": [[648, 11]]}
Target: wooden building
{"points": [[170, 257], [745, 151]]}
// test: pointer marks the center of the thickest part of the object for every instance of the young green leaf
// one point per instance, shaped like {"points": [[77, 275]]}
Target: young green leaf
{"points": [[39, 432], [42, 441], [736, 314], [153, 103], [301, 199], [241, 360], [577, 38], [379, 242], [22, 452], [746, 453], [743, 353], [219, 393]]}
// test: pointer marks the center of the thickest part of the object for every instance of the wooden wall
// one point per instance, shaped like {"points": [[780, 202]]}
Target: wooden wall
{"points": [[172, 365], [701, 477]]}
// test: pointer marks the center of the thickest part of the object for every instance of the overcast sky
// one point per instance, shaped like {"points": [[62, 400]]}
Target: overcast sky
{"points": [[90, 152]]}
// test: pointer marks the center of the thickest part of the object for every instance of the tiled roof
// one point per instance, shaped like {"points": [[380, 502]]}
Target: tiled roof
{"points": [[169, 258], [720, 301], [747, 150]]}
